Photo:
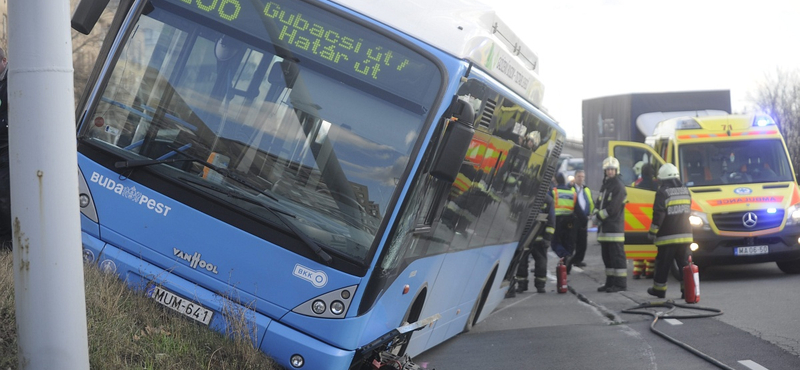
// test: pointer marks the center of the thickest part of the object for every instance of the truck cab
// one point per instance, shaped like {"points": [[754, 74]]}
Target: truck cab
{"points": [[745, 199]]}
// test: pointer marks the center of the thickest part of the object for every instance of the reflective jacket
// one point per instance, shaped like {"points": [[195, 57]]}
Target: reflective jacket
{"points": [[565, 199], [671, 211], [611, 210]]}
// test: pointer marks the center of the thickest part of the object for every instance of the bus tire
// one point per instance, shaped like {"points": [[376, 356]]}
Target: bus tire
{"points": [[412, 315], [789, 267], [478, 306]]}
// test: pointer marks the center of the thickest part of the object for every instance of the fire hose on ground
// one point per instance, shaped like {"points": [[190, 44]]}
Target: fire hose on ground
{"points": [[671, 306]]}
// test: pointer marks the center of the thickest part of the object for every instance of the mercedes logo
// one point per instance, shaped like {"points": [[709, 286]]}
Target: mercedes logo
{"points": [[749, 220]]}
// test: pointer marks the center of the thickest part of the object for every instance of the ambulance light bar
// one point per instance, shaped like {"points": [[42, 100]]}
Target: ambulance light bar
{"points": [[761, 121], [687, 123]]}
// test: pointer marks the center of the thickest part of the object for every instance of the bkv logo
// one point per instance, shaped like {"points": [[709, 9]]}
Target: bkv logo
{"points": [[316, 277]]}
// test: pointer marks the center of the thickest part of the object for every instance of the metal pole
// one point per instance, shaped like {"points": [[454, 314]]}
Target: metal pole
{"points": [[48, 267]]}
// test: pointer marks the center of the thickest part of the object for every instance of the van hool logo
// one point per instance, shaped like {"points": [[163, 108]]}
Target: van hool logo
{"points": [[130, 192], [194, 260]]}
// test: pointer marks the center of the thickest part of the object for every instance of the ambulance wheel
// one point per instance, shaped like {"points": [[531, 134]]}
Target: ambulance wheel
{"points": [[789, 267]]}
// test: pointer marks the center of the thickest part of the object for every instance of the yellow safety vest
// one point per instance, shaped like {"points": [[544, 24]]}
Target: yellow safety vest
{"points": [[565, 201]]}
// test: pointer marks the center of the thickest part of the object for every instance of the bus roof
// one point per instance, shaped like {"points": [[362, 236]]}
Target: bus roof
{"points": [[467, 29]]}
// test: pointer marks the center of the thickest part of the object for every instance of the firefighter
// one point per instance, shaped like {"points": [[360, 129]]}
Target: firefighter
{"points": [[670, 230], [564, 198], [610, 218], [538, 250]]}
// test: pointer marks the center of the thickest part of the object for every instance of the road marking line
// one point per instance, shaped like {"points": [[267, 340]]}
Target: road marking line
{"points": [[752, 365], [673, 322], [513, 304]]}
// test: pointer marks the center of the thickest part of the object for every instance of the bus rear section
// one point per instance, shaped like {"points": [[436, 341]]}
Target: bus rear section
{"points": [[745, 197]]}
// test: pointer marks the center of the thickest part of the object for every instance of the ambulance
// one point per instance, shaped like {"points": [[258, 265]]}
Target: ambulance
{"points": [[745, 200]]}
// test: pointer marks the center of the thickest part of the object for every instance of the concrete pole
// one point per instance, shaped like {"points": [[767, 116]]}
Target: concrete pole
{"points": [[48, 266]]}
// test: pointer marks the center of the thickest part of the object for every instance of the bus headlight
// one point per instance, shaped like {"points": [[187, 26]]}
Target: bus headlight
{"points": [[318, 307], [793, 215], [330, 305]]}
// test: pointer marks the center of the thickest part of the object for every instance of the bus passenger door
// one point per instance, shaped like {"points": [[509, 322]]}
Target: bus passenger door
{"points": [[637, 162]]}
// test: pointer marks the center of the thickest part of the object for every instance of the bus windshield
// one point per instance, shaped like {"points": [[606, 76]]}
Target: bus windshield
{"points": [[272, 107], [734, 162]]}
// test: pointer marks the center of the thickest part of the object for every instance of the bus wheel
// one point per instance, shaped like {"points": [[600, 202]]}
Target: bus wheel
{"points": [[478, 306], [789, 267]]}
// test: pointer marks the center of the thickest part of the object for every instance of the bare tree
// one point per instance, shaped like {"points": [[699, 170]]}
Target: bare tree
{"points": [[779, 96]]}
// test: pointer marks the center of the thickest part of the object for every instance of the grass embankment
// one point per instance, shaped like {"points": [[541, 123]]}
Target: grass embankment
{"points": [[129, 331]]}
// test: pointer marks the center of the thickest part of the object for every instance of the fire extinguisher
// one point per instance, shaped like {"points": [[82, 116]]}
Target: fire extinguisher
{"points": [[691, 282], [561, 277]]}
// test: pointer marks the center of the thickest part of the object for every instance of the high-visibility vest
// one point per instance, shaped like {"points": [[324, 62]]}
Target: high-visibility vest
{"points": [[565, 200]]}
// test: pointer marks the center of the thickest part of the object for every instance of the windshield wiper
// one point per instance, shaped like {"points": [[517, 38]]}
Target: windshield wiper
{"points": [[282, 215], [221, 170]]}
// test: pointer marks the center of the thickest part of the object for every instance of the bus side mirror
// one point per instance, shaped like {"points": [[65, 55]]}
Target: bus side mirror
{"points": [[86, 15], [455, 142]]}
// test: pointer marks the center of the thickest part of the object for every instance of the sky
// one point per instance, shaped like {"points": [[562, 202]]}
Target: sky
{"points": [[594, 48]]}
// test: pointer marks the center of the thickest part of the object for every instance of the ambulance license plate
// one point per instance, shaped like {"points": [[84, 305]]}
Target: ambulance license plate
{"points": [[751, 251], [183, 306]]}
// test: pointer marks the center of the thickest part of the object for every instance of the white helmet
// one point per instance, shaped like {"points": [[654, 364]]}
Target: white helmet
{"points": [[637, 168], [668, 171], [611, 162]]}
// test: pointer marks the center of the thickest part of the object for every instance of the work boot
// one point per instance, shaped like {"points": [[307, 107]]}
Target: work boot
{"points": [[656, 293], [607, 285], [522, 285], [618, 284], [511, 293], [614, 289], [540, 288]]}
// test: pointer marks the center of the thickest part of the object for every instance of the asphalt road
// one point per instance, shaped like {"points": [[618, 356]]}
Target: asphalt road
{"points": [[585, 329]]}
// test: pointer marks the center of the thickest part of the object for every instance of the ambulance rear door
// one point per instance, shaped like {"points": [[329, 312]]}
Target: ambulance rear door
{"points": [[633, 160]]}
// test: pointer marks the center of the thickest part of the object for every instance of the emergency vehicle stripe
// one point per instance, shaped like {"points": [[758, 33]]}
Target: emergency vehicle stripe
{"points": [[638, 216], [641, 251], [745, 133], [674, 239], [696, 207]]}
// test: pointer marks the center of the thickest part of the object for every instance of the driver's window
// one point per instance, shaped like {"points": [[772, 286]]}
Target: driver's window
{"points": [[637, 167]]}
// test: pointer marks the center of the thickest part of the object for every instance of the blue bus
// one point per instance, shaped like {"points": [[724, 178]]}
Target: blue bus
{"points": [[357, 176]]}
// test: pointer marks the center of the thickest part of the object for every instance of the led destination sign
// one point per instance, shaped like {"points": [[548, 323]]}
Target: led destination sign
{"points": [[310, 32]]}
